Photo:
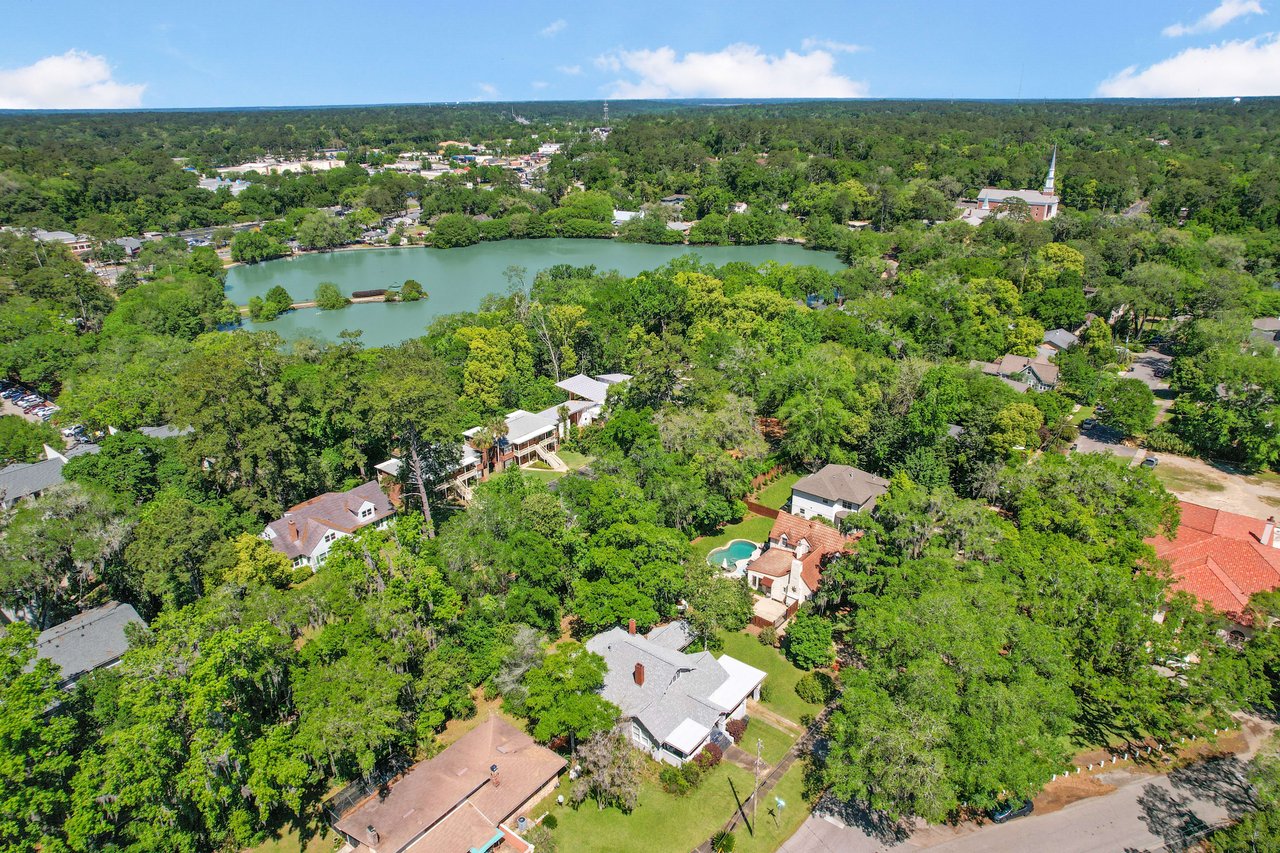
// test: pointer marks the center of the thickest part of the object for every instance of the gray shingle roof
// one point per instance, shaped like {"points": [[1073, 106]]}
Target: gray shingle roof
{"points": [[843, 482], [92, 640], [1061, 338], [165, 431], [677, 686], [22, 480]]}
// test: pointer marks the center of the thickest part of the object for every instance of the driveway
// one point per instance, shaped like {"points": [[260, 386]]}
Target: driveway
{"points": [[1146, 812], [1216, 485], [1102, 439], [1153, 368]]}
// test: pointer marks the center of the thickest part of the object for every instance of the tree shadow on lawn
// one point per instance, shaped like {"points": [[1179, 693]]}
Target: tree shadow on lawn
{"points": [[878, 825]]}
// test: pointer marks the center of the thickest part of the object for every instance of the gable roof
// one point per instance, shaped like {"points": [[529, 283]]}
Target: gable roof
{"points": [[1220, 558], [331, 511], [1011, 365], [23, 479], [843, 483], [92, 640], [1061, 338], [823, 542], [450, 802], [589, 388], [1029, 196], [683, 695]]}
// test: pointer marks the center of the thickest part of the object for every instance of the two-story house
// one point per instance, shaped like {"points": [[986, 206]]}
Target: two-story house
{"points": [[306, 532]]}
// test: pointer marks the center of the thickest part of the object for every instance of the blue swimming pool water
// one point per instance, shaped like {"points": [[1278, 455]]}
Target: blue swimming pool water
{"points": [[738, 549]]}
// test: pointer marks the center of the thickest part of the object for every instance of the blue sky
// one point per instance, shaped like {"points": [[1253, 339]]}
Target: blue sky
{"points": [[154, 54]]}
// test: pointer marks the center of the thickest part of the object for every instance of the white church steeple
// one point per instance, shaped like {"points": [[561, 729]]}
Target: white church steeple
{"points": [[1053, 168]]}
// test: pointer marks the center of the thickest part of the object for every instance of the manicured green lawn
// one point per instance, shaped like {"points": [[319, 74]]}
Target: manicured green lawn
{"points": [[778, 492], [1085, 412], [573, 459], [774, 742], [291, 842], [754, 528], [782, 676], [773, 825], [660, 821]]}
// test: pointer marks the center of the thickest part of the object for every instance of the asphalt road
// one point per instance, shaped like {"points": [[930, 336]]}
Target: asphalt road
{"points": [[1146, 813]]}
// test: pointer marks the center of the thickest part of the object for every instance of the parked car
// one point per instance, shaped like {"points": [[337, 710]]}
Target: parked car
{"points": [[1008, 811], [1150, 462], [1089, 423]]}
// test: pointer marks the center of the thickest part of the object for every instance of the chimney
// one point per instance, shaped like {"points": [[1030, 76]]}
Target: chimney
{"points": [[494, 778], [373, 834], [293, 530], [631, 627], [638, 675], [1268, 533]]}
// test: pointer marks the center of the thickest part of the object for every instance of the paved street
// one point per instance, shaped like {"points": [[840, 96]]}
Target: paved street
{"points": [[1153, 368], [1146, 813]]}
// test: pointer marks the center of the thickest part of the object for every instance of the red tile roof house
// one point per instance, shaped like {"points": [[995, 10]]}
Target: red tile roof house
{"points": [[1222, 559], [470, 798], [790, 568], [306, 532]]}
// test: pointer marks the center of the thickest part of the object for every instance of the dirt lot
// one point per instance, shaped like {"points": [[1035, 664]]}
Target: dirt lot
{"points": [[1219, 486]]}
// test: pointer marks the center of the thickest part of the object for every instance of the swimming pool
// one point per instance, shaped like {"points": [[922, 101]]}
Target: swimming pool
{"points": [[738, 549]]}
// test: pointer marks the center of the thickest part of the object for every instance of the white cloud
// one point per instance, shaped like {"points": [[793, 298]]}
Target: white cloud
{"points": [[488, 90], [571, 70], [552, 28], [539, 84], [738, 71], [74, 80], [1233, 68], [833, 46], [1226, 12]]}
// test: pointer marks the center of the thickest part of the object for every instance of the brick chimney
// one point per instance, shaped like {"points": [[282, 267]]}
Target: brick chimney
{"points": [[1268, 533], [631, 627], [638, 675], [494, 778], [373, 834], [293, 530]]}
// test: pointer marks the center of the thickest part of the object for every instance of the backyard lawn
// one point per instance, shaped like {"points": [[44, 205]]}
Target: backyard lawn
{"points": [[754, 528], [678, 823], [782, 676], [573, 460], [777, 493]]}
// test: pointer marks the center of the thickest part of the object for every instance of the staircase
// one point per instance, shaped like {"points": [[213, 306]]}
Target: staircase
{"points": [[463, 490], [549, 456]]}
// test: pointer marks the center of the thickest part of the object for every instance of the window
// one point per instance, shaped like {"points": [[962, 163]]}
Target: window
{"points": [[330, 536], [366, 512]]}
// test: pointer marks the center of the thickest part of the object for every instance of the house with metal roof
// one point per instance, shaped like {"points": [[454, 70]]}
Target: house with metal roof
{"points": [[307, 531], [93, 640], [23, 480], [676, 703], [472, 797], [835, 491]]}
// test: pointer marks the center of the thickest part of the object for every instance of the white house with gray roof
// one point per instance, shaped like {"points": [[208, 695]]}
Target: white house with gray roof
{"points": [[835, 491], [676, 703]]}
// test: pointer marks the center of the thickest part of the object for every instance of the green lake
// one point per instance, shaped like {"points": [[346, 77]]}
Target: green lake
{"points": [[457, 279]]}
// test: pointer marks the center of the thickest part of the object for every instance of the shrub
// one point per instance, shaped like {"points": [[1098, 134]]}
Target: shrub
{"points": [[736, 729], [766, 692], [808, 643], [722, 842], [1164, 440], [710, 756], [550, 822], [768, 636], [817, 688], [673, 780], [692, 773], [328, 297]]}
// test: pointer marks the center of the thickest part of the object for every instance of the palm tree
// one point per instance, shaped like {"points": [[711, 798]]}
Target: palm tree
{"points": [[499, 430], [483, 441]]}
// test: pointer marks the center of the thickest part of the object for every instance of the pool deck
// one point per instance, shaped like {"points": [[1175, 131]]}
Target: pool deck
{"points": [[739, 565]]}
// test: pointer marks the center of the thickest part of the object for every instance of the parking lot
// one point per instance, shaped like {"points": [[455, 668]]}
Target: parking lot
{"points": [[16, 400]]}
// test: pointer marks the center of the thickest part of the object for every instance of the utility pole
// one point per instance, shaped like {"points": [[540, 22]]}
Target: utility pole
{"points": [[756, 790]]}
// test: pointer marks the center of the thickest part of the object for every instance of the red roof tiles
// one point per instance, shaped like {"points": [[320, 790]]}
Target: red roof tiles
{"points": [[1220, 558]]}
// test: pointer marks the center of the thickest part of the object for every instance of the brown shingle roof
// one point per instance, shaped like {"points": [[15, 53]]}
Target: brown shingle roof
{"points": [[446, 793], [312, 519]]}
